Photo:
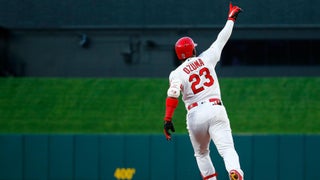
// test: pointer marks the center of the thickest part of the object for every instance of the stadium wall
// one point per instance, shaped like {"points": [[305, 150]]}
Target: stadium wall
{"points": [[135, 53], [150, 157], [121, 38], [48, 14]]}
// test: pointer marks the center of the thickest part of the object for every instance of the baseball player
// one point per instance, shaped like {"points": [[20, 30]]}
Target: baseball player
{"points": [[206, 117]]}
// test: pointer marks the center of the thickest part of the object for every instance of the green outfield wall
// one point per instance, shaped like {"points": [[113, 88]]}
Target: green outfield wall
{"points": [[151, 157]]}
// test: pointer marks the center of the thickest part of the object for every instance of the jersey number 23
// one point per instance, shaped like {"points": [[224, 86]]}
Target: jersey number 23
{"points": [[195, 79]]}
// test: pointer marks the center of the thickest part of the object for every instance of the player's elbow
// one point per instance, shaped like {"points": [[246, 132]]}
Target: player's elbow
{"points": [[173, 92]]}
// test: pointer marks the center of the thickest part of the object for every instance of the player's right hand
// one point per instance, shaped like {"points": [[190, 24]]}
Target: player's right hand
{"points": [[233, 12], [168, 125]]}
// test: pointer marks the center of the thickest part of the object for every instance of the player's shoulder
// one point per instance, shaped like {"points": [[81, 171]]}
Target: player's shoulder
{"points": [[210, 56], [177, 73], [174, 74], [205, 56]]}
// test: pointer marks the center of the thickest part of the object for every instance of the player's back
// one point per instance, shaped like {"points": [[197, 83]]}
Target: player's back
{"points": [[198, 80]]}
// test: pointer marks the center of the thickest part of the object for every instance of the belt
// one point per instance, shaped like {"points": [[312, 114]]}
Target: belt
{"points": [[215, 101]]}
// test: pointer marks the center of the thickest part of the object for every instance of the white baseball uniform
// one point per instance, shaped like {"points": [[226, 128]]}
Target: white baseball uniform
{"points": [[206, 118]]}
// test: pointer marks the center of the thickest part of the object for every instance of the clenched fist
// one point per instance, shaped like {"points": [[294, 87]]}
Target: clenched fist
{"points": [[168, 125]]}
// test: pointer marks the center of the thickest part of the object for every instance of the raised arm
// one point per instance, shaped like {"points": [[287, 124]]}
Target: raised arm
{"points": [[224, 35]]}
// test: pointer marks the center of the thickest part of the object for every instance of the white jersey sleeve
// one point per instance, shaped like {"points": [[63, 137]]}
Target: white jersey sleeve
{"points": [[175, 85], [214, 51]]}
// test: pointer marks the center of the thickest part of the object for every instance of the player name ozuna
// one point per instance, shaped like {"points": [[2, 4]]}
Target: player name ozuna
{"points": [[193, 66]]}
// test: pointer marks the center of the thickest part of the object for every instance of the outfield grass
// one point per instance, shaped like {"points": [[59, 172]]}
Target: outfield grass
{"points": [[56, 105]]}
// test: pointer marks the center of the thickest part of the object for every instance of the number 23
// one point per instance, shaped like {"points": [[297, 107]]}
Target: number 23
{"points": [[196, 80]]}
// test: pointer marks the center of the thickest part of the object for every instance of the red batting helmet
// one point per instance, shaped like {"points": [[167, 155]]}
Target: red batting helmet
{"points": [[185, 48]]}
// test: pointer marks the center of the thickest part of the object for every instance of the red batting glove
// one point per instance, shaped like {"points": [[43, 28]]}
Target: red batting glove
{"points": [[233, 12]]}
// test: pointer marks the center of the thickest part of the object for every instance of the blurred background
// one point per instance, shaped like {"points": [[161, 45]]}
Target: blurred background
{"points": [[135, 38], [83, 84]]}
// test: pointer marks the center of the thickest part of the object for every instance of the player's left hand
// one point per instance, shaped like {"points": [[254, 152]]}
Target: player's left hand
{"points": [[168, 125]]}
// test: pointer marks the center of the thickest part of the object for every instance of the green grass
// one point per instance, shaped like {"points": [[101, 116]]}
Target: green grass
{"points": [[56, 105], [276, 105]]}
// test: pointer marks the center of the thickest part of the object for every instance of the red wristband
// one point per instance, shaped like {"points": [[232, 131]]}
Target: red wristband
{"points": [[232, 19], [171, 105]]}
